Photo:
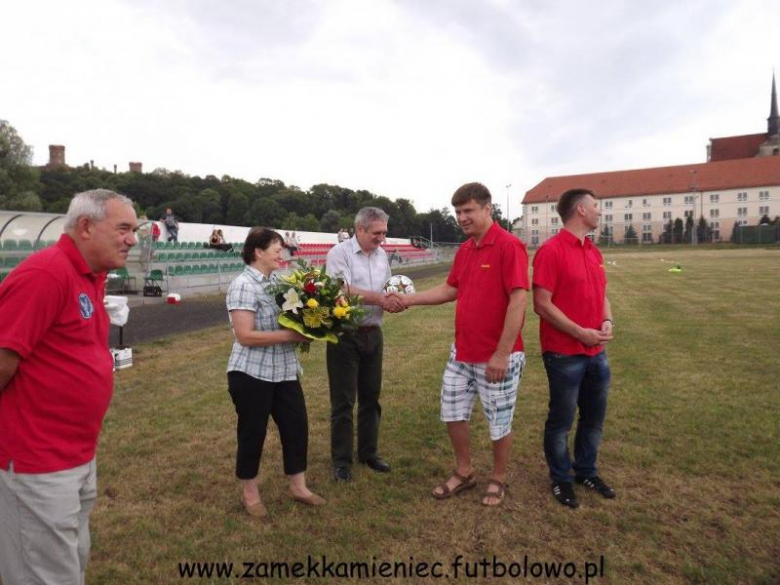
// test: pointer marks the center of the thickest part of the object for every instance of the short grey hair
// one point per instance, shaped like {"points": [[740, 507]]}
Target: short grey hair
{"points": [[91, 204], [367, 215]]}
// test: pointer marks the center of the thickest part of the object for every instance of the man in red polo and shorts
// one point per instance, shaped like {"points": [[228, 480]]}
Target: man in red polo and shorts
{"points": [[489, 279], [570, 297], [55, 385]]}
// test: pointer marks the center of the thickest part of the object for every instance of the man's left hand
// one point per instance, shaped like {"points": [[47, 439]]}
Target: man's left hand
{"points": [[496, 368]]}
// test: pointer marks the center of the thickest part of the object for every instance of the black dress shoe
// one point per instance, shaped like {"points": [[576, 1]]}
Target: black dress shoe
{"points": [[342, 474], [378, 464]]}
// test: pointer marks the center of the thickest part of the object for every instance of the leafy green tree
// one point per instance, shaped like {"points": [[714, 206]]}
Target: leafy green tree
{"points": [[764, 220], [309, 223], [237, 208], [605, 239], [668, 234], [678, 231], [19, 181], [266, 212], [630, 235], [703, 231], [330, 222], [211, 206], [688, 234]]}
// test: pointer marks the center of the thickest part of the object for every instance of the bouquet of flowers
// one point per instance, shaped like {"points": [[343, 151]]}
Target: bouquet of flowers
{"points": [[314, 304]]}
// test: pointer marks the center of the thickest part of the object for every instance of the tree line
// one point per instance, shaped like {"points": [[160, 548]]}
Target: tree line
{"points": [[225, 200]]}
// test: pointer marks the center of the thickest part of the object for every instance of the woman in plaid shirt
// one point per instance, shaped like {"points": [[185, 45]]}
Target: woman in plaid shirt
{"points": [[263, 374]]}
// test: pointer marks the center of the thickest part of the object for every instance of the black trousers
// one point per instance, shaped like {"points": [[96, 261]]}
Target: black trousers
{"points": [[355, 373], [255, 400]]}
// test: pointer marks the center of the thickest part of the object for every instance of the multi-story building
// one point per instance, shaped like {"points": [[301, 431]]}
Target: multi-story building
{"points": [[739, 184]]}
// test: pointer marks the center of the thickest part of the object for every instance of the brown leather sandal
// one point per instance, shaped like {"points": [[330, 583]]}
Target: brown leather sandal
{"points": [[466, 483], [498, 494]]}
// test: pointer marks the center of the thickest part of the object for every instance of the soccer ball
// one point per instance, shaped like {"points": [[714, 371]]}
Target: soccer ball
{"points": [[399, 284]]}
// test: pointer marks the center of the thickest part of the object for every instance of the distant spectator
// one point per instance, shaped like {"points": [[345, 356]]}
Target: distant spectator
{"points": [[395, 257], [155, 231], [342, 236], [217, 241], [171, 225], [291, 241]]}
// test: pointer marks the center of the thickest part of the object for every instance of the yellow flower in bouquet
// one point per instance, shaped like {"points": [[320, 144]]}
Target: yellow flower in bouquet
{"points": [[340, 312], [315, 305]]}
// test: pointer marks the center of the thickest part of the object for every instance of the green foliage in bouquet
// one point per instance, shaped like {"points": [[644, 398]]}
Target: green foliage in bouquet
{"points": [[314, 304]]}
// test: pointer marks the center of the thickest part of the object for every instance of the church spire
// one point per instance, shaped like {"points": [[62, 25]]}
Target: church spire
{"points": [[773, 121]]}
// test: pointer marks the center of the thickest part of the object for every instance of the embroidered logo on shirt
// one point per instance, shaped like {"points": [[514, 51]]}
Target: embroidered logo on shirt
{"points": [[85, 306], [485, 266]]}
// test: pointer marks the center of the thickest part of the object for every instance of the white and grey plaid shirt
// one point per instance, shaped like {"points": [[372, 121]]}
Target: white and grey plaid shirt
{"points": [[271, 363]]}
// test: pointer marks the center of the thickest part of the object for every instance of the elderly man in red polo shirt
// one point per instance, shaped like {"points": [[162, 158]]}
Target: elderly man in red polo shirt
{"points": [[489, 279], [570, 297], [55, 385]]}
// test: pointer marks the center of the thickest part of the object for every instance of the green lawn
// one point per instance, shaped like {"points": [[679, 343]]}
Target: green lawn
{"points": [[692, 446]]}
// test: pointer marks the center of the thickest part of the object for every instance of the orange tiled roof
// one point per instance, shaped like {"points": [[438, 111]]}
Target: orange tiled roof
{"points": [[712, 176], [732, 147]]}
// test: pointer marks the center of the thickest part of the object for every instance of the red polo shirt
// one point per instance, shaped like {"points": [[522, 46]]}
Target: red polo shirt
{"points": [[52, 315], [485, 275], [574, 273]]}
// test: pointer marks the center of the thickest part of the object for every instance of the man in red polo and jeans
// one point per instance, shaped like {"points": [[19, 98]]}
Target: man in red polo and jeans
{"points": [[489, 279], [55, 385], [570, 297]]}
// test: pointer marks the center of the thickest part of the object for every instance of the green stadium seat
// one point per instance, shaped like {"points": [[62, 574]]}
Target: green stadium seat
{"points": [[12, 261], [180, 270], [10, 245], [172, 270], [40, 245], [25, 245]]}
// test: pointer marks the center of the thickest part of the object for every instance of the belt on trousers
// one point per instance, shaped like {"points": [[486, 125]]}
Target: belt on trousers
{"points": [[367, 328]]}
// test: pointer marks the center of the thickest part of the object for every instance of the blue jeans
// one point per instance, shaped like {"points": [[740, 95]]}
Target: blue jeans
{"points": [[575, 381]]}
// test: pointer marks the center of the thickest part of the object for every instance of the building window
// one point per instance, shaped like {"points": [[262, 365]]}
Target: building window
{"points": [[667, 215], [689, 199], [534, 240], [763, 195], [608, 219], [645, 203], [647, 227], [742, 196], [608, 205], [534, 232], [629, 203], [628, 217], [714, 213], [553, 207], [554, 221], [714, 198], [741, 222], [647, 238], [741, 211], [534, 209], [763, 210], [688, 213], [535, 221], [554, 231], [647, 216], [667, 201]]}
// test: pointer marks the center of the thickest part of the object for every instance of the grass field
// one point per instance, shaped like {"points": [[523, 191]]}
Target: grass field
{"points": [[692, 446]]}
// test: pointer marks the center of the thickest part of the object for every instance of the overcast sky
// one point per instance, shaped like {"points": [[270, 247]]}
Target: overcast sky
{"points": [[405, 98]]}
